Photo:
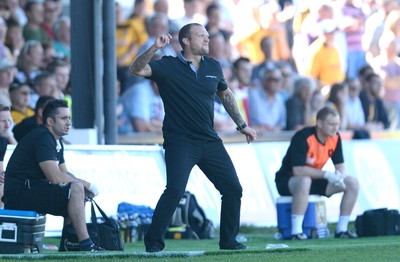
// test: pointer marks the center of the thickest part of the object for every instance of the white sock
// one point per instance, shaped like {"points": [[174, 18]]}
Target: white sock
{"points": [[297, 224], [343, 224]]}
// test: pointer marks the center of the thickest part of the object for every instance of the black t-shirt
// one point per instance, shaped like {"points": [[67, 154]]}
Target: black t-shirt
{"points": [[188, 96], [36, 147]]}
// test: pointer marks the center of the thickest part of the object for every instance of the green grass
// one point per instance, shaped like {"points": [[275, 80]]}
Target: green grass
{"points": [[326, 249]]}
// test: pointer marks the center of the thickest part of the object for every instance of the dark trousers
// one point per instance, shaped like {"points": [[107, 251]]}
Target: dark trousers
{"points": [[214, 161]]}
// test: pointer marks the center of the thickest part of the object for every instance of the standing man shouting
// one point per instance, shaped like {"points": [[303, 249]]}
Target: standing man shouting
{"points": [[187, 84], [301, 173]]}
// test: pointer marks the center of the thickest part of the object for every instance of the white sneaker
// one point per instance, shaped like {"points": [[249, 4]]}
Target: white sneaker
{"points": [[300, 236]]}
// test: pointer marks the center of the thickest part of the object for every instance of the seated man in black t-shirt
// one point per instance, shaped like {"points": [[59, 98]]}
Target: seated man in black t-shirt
{"points": [[37, 178]]}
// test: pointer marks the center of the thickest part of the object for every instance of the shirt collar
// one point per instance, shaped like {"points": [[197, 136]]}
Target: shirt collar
{"points": [[184, 60]]}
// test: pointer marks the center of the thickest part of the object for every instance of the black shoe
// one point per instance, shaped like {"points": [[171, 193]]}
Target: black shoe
{"points": [[234, 246], [92, 248], [300, 236], [346, 234], [154, 247]]}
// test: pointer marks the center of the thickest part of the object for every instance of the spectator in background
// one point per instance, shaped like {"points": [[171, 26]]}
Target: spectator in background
{"points": [[4, 51], [288, 79], [29, 123], [376, 26], [267, 108], [20, 94], [298, 106], [375, 113], [130, 35], [192, 14], [30, 62], [5, 12], [157, 24], [6, 137], [7, 73], [62, 70], [218, 48], [213, 25], [62, 37], [242, 69], [362, 74], [355, 112], [337, 99], [162, 7], [269, 25], [311, 29], [267, 47], [16, 8], [317, 102], [45, 84], [51, 14], [353, 25], [387, 65], [392, 25], [33, 30], [14, 38], [324, 63], [143, 106]]}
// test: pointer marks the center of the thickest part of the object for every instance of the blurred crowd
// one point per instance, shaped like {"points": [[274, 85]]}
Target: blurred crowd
{"points": [[283, 59]]}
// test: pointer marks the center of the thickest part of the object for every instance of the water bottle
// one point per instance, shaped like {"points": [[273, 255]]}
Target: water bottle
{"points": [[276, 246]]}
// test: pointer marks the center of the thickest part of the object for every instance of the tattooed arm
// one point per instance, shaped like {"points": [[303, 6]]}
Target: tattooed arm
{"points": [[140, 67], [228, 100]]}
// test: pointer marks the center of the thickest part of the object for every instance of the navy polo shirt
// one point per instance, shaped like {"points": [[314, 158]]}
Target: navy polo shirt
{"points": [[37, 146], [188, 96]]}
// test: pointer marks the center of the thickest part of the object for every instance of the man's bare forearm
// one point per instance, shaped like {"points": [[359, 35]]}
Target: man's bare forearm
{"points": [[141, 61], [228, 100]]}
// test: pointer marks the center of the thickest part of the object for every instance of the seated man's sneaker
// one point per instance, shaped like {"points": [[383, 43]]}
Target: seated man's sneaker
{"points": [[300, 236], [92, 248], [346, 234], [234, 246]]}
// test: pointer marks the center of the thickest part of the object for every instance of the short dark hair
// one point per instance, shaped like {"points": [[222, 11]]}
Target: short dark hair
{"points": [[369, 76], [51, 108], [39, 79], [185, 32], [211, 7], [55, 63], [42, 102], [241, 59], [325, 111]]}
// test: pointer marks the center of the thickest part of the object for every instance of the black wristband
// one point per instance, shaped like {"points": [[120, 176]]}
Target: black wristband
{"points": [[239, 128]]}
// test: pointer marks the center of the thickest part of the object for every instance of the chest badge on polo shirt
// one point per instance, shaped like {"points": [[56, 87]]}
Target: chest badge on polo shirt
{"points": [[210, 76]]}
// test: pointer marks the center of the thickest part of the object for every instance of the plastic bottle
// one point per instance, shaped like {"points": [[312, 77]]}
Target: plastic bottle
{"points": [[276, 246]]}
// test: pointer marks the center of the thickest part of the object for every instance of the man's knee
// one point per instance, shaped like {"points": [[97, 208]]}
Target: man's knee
{"points": [[352, 183], [300, 184], [77, 189]]}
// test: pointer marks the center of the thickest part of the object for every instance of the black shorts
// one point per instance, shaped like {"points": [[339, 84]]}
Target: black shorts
{"points": [[41, 197], [318, 186]]}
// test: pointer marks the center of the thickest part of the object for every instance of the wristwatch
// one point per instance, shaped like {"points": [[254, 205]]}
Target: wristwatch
{"points": [[239, 128]]}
